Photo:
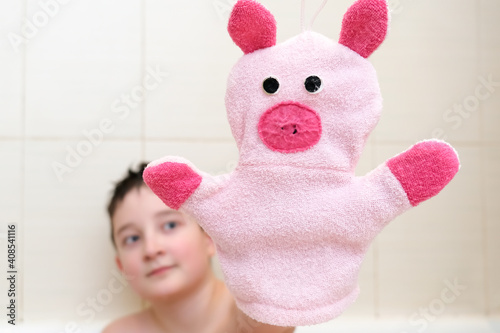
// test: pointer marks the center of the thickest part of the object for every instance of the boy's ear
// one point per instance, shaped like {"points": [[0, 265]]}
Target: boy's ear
{"points": [[210, 244], [119, 263]]}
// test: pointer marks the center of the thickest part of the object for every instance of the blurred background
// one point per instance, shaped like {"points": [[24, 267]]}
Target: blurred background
{"points": [[75, 114]]}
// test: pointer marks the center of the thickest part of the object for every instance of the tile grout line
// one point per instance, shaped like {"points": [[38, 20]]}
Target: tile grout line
{"points": [[24, 11], [376, 278], [478, 144], [143, 73], [154, 139], [484, 225], [143, 304], [484, 232]]}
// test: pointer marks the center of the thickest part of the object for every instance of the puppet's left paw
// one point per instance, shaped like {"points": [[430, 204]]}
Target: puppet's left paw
{"points": [[171, 181], [425, 169]]}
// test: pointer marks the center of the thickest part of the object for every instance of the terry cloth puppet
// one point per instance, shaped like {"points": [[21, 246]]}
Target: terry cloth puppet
{"points": [[292, 222]]}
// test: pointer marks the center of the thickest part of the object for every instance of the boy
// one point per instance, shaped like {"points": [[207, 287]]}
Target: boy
{"points": [[166, 255]]}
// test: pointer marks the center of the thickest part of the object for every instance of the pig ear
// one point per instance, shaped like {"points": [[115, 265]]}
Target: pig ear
{"points": [[365, 26], [252, 26]]}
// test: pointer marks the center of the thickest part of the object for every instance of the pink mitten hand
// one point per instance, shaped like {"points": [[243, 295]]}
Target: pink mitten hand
{"points": [[171, 181], [425, 169]]}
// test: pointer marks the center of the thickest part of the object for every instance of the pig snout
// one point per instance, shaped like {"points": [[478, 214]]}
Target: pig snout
{"points": [[289, 127]]}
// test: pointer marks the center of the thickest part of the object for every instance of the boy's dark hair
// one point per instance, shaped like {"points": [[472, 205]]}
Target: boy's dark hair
{"points": [[133, 180]]}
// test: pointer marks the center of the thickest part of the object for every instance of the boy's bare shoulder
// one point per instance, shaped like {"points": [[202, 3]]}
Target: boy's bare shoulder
{"points": [[133, 323]]}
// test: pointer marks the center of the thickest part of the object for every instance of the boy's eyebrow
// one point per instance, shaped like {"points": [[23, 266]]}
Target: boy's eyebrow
{"points": [[167, 212], [122, 228], [159, 214]]}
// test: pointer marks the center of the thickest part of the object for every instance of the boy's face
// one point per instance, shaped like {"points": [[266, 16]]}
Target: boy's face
{"points": [[161, 251]]}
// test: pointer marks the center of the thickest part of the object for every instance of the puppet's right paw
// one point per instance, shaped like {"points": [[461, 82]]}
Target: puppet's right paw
{"points": [[172, 182]]}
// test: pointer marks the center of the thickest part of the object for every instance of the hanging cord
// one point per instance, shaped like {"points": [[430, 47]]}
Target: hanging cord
{"points": [[302, 15], [317, 13]]}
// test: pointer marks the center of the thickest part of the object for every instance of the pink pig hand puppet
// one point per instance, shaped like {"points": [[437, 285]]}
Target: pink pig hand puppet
{"points": [[292, 222]]}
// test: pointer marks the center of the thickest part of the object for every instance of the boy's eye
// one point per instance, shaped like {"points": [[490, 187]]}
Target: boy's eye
{"points": [[170, 225], [131, 239]]}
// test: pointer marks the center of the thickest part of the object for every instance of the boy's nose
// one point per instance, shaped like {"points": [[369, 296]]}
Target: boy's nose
{"points": [[152, 247]]}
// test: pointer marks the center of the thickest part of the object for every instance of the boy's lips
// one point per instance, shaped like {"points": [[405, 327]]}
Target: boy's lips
{"points": [[159, 270]]}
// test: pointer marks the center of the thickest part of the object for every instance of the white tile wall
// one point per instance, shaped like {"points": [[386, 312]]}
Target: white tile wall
{"points": [[213, 157], [11, 58], [11, 178], [491, 183], [80, 66], [68, 255], [489, 42], [198, 59], [426, 35]]}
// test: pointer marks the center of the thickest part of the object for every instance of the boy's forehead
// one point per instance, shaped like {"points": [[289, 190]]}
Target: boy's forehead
{"points": [[141, 199], [140, 205]]}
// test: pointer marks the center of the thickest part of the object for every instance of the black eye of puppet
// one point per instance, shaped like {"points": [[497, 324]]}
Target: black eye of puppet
{"points": [[313, 84], [271, 85]]}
